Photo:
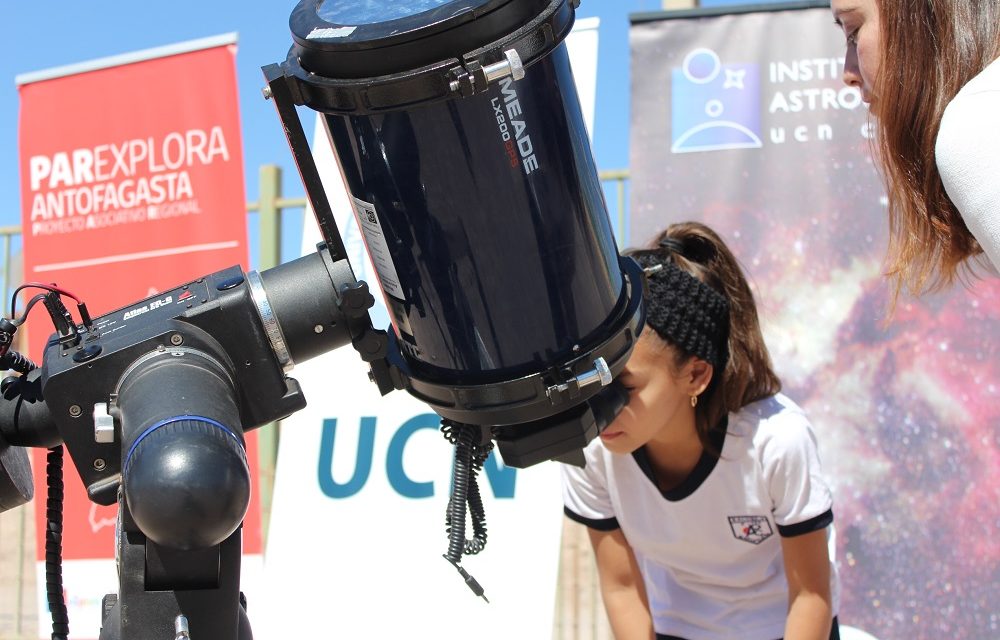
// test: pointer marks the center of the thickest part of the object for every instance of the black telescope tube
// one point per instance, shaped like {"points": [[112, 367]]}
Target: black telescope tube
{"points": [[185, 474], [472, 180]]}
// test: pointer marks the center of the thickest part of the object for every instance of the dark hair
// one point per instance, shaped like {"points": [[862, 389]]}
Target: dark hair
{"points": [[930, 50], [748, 374]]}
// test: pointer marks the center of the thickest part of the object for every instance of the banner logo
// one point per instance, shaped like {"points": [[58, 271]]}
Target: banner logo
{"points": [[714, 106], [752, 529], [501, 479], [120, 183]]}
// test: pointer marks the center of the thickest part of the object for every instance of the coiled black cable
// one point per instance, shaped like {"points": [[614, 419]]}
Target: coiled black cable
{"points": [[478, 515], [54, 460], [53, 517], [53, 543], [470, 456], [16, 362], [471, 451]]}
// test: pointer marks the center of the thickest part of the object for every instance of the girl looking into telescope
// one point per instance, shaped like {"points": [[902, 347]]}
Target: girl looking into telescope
{"points": [[704, 500]]}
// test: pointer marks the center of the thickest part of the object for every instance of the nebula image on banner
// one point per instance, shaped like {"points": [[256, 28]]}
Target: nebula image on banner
{"points": [[906, 417], [907, 407]]}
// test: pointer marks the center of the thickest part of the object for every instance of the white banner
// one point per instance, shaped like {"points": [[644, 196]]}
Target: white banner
{"points": [[357, 523], [582, 46]]}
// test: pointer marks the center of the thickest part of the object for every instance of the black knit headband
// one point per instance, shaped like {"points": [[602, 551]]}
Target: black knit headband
{"points": [[685, 311]]}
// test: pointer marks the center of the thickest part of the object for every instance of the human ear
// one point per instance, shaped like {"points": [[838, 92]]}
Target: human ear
{"points": [[697, 376]]}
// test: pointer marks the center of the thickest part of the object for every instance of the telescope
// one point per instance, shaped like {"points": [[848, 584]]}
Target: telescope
{"points": [[459, 136]]}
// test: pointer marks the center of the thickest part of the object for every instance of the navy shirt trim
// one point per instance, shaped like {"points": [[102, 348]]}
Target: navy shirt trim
{"points": [[605, 524], [834, 632], [698, 475], [822, 521]]}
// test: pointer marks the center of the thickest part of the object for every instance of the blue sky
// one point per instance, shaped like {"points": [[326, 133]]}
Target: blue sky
{"points": [[36, 35]]}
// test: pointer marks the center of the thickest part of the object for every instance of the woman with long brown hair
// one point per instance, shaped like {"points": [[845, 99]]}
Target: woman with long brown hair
{"points": [[930, 70], [704, 500]]}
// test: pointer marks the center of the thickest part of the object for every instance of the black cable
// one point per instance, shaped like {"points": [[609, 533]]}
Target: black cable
{"points": [[42, 286], [53, 544], [62, 320], [469, 459], [16, 362], [81, 306], [478, 514], [53, 468], [461, 478], [470, 454], [17, 322]]}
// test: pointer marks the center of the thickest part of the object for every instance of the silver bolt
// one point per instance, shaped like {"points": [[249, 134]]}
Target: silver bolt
{"points": [[181, 628], [318, 328], [100, 464], [267, 92], [601, 373], [510, 66], [176, 339], [75, 411]]}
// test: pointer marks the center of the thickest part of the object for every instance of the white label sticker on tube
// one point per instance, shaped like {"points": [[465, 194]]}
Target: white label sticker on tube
{"points": [[378, 248]]}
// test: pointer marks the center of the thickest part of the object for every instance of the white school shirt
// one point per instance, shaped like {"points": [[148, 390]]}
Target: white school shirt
{"points": [[709, 550]]}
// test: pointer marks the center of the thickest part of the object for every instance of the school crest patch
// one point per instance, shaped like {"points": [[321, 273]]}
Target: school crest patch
{"points": [[752, 529]]}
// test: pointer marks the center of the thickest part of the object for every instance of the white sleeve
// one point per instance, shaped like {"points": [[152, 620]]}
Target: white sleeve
{"points": [[801, 498], [967, 153], [585, 493]]}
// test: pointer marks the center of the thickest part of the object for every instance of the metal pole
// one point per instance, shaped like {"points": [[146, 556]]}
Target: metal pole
{"points": [[619, 177], [270, 216], [268, 436], [19, 610], [6, 273]]}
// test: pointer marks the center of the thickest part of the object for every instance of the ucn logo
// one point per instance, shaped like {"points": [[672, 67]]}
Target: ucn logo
{"points": [[501, 479], [714, 106]]}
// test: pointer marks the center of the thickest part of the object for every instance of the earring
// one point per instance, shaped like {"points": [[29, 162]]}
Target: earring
{"points": [[694, 401]]}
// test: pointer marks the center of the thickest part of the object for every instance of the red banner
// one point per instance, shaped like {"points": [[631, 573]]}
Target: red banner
{"points": [[131, 183]]}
